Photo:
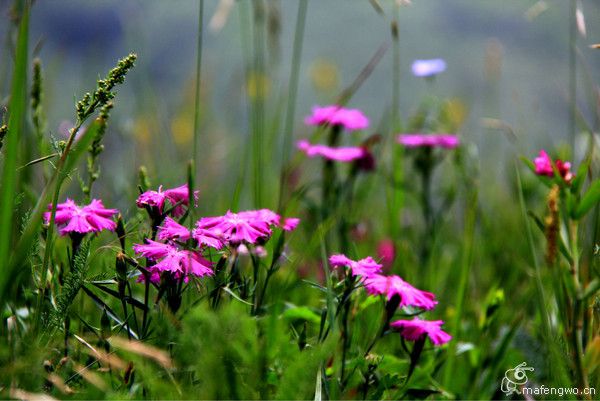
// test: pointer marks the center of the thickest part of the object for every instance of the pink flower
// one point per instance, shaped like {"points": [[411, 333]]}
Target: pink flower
{"points": [[431, 140], [249, 226], [428, 68], [262, 215], [341, 154], [365, 267], [177, 197], [171, 259], [389, 286], [416, 329], [351, 119], [543, 166], [87, 219], [386, 251], [290, 223], [237, 227], [172, 230]]}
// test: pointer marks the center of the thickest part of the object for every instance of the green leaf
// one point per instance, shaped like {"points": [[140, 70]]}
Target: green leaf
{"points": [[302, 313], [528, 163], [589, 200], [579, 179]]}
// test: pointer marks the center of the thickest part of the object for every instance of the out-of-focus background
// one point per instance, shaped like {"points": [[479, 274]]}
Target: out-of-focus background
{"points": [[507, 60]]}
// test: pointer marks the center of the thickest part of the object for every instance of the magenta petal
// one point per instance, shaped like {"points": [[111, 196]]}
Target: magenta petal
{"points": [[416, 328], [342, 154], [290, 223], [195, 264], [543, 164], [171, 230], [429, 140], [350, 119], [365, 268], [153, 250], [377, 284], [154, 199]]}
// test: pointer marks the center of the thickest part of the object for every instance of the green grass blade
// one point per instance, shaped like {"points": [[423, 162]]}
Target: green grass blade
{"points": [[16, 126], [292, 94]]}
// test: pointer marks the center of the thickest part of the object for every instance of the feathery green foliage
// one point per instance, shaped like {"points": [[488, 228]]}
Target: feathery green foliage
{"points": [[74, 280]]}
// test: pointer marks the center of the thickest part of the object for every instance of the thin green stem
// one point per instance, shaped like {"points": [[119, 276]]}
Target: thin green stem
{"points": [[197, 94], [466, 261], [572, 69], [50, 232], [292, 95], [576, 329], [258, 109]]}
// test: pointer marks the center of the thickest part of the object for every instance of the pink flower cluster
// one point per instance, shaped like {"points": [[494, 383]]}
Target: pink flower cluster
{"points": [[389, 286], [180, 253], [91, 218], [251, 226], [350, 119], [543, 166], [335, 115], [446, 141], [156, 200]]}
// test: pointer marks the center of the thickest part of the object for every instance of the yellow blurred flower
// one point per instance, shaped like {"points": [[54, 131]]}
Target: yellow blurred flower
{"points": [[324, 75]]}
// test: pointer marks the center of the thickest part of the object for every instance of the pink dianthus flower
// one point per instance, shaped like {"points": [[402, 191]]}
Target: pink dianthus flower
{"points": [[249, 226], [171, 259], [177, 197], [172, 230], [365, 267], [389, 286], [236, 227], [341, 154], [87, 219], [416, 329], [290, 223], [350, 119], [447, 141], [543, 166]]}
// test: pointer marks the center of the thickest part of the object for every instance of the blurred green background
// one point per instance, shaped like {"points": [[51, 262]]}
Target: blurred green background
{"points": [[507, 60]]}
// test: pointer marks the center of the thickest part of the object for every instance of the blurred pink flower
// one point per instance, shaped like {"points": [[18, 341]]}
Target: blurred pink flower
{"points": [[386, 251], [90, 218], [447, 141], [543, 166], [428, 68], [290, 223], [341, 154], [389, 286], [365, 267], [172, 230], [350, 119], [415, 329], [171, 259], [178, 197]]}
